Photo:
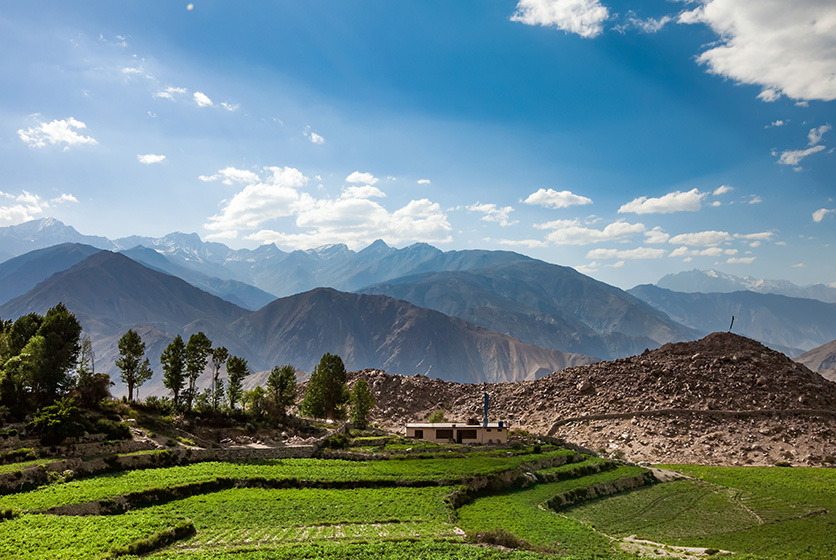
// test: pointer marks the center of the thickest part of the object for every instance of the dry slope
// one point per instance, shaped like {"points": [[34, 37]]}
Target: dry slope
{"points": [[724, 399]]}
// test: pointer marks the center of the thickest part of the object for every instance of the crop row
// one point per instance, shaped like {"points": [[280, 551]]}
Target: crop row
{"points": [[36, 537], [325, 471], [250, 508]]}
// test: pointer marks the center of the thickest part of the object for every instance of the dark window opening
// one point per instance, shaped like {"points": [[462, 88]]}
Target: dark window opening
{"points": [[444, 434], [419, 434]]}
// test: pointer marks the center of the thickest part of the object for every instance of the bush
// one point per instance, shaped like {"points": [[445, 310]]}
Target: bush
{"points": [[58, 421], [336, 441], [18, 455], [113, 430]]}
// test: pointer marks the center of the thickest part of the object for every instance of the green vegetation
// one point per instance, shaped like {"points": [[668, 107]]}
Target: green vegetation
{"points": [[327, 392], [135, 372], [523, 514], [362, 402]]}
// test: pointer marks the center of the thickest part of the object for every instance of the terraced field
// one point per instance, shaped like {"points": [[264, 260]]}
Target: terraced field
{"points": [[535, 505]]}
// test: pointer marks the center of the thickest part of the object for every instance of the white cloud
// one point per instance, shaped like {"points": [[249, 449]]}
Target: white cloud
{"points": [[26, 206], [655, 236], [649, 25], [815, 134], [785, 47], [260, 200], [424, 181], [677, 201], [798, 265], [202, 99], [532, 243], [571, 232], [769, 95], [353, 218], [819, 214], [761, 236], [230, 175], [56, 132], [775, 124], [740, 260], [169, 92], [493, 214], [316, 138], [637, 253], [794, 157], [584, 17], [686, 252], [360, 177], [551, 198], [588, 268], [723, 189], [363, 191], [754, 199], [230, 107], [148, 159], [701, 239]]}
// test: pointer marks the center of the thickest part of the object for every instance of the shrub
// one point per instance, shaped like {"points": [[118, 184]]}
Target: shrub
{"points": [[17, 455], [336, 441], [58, 421], [113, 430]]}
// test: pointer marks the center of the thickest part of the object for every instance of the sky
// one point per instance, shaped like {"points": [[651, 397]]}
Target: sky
{"points": [[625, 140]]}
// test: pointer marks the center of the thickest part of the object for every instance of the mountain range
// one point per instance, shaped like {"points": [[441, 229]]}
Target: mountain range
{"points": [[791, 325], [708, 281], [459, 315]]}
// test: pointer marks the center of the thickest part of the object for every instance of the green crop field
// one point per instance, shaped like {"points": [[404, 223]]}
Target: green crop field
{"points": [[416, 508]]}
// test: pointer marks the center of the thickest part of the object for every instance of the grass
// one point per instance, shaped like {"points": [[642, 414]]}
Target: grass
{"points": [[523, 514], [331, 471], [37, 537]]}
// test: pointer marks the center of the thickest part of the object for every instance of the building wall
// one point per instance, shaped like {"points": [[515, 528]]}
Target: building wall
{"points": [[470, 434]]}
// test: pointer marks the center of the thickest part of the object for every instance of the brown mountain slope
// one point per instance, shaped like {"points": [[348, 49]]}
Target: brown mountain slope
{"points": [[822, 360], [724, 399]]}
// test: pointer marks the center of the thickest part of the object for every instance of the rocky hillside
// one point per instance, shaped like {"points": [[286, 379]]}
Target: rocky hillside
{"points": [[822, 360], [724, 399]]}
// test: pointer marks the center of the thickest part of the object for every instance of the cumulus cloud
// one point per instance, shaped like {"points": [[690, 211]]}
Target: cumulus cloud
{"points": [[637, 253], [794, 157], [784, 47], [648, 25], [424, 181], [740, 260], [493, 214], [354, 218], [531, 243], [230, 175], [56, 132], [760, 236], [819, 214], [701, 239], [360, 177], [815, 134], [677, 201], [656, 236], [583, 17], [170, 92], [571, 232], [26, 206], [723, 189], [774, 124], [202, 99], [148, 159], [551, 198]]}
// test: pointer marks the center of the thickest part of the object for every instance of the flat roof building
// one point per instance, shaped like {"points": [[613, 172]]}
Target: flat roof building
{"points": [[459, 432]]}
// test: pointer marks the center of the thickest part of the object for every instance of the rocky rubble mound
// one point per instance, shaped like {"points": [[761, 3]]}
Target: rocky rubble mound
{"points": [[721, 399]]}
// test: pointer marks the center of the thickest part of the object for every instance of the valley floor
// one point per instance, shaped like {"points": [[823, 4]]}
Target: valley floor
{"points": [[427, 502]]}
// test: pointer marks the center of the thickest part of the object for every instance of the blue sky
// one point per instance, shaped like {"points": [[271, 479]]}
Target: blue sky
{"points": [[625, 141]]}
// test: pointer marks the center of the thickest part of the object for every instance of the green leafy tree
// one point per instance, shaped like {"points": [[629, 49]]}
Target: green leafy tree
{"points": [[24, 328], [362, 402], [198, 349], [135, 372], [255, 401], [219, 356], [236, 369], [62, 333], [281, 386], [173, 360], [327, 391]]}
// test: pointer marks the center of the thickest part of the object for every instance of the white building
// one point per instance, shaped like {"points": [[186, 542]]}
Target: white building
{"points": [[459, 432]]}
